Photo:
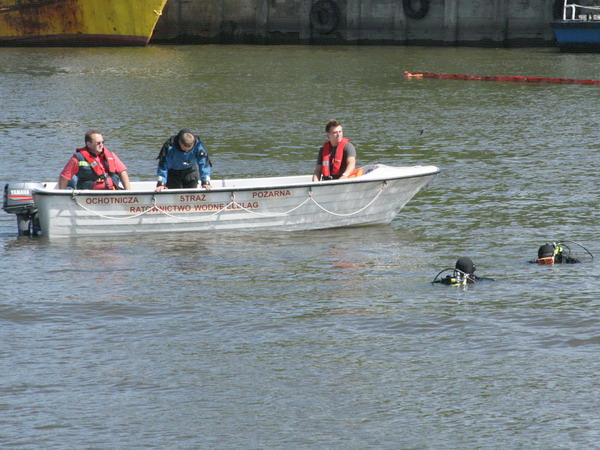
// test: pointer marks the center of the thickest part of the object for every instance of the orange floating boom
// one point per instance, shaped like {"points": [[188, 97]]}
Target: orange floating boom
{"points": [[514, 78]]}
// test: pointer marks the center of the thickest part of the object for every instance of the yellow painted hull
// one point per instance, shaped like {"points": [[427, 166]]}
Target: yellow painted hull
{"points": [[78, 22]]}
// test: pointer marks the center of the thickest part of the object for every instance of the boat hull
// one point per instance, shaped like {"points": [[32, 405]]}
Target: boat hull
{"points": [[573, 35], [78, 22], [282, 203]]}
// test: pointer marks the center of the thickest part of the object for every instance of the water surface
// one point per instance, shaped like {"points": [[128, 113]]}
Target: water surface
{"points": [[332, 338]]}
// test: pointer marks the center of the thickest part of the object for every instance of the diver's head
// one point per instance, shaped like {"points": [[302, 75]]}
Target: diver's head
{"points": [[545, 254], [465, 265]]}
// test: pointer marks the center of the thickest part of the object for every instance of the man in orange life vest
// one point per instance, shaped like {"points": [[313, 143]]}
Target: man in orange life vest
{"points": [[94, 166], [337, 156]]}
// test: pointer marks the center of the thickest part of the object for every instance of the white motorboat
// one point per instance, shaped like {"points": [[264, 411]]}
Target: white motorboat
{"points": [[276, 203]]}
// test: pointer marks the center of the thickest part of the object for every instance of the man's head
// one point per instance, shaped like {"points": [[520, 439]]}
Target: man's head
{"points": [[334, 131], [187, 141], [546, 254], [94, 141], [465, 265]]}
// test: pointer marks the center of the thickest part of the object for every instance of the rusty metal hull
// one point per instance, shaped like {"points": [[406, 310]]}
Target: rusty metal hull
{"points": [[78, 22]]}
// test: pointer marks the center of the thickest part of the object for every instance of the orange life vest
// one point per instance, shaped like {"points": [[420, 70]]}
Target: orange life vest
{"points": [[104, 179], [338, 158]]}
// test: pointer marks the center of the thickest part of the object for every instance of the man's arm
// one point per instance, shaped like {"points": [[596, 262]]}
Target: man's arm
{"points": [[317, 173], [204, 166], [350, 165], [71, 168], [125, 180], [162, 170], [62, 182]]}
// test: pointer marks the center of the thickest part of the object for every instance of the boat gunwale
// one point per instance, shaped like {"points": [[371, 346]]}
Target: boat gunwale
{"points": [[577, 22], [220, 189]]}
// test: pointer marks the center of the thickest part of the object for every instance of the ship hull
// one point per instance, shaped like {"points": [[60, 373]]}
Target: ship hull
{"points": [[577, 35], [78, 22]]}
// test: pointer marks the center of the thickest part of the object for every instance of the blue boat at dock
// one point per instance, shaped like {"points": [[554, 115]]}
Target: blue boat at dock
{"points": [[579, 28]]}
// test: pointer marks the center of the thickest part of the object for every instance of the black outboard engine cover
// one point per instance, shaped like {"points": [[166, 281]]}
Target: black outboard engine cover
{"points": [[18, 199]]}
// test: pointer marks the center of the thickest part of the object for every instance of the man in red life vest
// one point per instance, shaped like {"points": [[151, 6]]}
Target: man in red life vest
{"points": [[337, 156], [94, 166]]}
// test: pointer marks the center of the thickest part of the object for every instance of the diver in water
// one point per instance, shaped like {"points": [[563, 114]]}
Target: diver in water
{"points": [[558, 253], [462, 274]]}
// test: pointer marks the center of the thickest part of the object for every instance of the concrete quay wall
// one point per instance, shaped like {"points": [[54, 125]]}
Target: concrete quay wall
{"points": [[401, 22]]}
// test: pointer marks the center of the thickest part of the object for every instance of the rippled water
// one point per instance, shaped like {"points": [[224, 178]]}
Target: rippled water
{"points": [[335, 338]]}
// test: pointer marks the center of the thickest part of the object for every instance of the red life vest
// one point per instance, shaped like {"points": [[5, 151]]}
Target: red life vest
{"points": [[337, 159], [104, 179]]}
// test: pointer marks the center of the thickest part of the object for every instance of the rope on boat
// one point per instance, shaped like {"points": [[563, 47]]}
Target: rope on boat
{"points": [[270, 214], [74, 198], [183, 219], [355, 212], [233, 202], [154, 207]]}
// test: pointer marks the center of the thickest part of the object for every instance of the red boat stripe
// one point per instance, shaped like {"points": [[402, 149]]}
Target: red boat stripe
{"points": [[22, 198]]}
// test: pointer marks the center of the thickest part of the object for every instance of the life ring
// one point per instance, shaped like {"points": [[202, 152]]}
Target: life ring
{"points": [[415, 14], [325, 16]]}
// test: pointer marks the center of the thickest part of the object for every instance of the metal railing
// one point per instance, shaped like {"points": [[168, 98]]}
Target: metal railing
{"points": [[571, 9]]}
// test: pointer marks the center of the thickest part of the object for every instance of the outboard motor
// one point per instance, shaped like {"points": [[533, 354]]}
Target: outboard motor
{"points": [[18, 199]]}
